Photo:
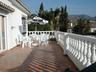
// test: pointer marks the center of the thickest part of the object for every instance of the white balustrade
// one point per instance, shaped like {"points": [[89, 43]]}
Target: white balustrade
{"points": [[42, 36], [81, 49], [50, 33]]}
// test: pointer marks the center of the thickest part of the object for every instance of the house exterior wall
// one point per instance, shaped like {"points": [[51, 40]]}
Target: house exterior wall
{"points": [[12, 22]]}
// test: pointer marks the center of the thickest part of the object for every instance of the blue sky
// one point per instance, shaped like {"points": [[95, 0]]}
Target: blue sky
{"points": [[74, 6]]}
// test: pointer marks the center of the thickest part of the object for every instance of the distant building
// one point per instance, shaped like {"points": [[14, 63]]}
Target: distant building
{"points": [[13, 17], [93, 26], [74, 23], [70, 26]]}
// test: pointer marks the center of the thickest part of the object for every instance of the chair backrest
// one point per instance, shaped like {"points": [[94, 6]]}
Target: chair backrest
{"points": [[44, 37]]}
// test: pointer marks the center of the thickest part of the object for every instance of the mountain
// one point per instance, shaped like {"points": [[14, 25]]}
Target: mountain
{"points": [[76, 17], [94, 18]]}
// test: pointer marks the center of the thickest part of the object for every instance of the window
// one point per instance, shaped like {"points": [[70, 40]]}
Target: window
{"points": [[24, 24]]}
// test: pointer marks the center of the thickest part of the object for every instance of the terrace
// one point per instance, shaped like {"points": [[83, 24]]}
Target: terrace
{"points": [[68, 51]]}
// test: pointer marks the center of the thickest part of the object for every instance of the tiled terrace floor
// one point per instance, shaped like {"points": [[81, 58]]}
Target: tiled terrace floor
{"points": [[42, 58]]}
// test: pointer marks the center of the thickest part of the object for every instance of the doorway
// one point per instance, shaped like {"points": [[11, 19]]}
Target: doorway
{"points": [[2, 33]]}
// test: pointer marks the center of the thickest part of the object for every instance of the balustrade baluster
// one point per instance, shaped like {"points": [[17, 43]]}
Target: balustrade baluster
{"points": [[76, 48], [93, 51], [53, 34], [88, 55], [82, 57], [79, 50], [32, 32], [72, 46], [69, 45], [85, 53]]}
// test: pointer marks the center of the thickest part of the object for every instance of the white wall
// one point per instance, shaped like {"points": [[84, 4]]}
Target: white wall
{"points": [[13, 21]]}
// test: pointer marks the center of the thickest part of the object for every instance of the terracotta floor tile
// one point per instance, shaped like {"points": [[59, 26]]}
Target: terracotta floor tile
{"points": [[42, 58]]}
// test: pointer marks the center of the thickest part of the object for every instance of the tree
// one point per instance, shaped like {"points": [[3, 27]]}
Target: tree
{"points": [[78, 29], [87, 27], [31, 27], [41, 10], [82, 27], [66, 20], [57, 16], [63, 19], [51, 14], [43, 14], [56, 12]]}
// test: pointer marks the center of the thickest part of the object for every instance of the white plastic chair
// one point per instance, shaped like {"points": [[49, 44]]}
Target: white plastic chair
{"points": [[35, 40], [30, 41], [44, 39], [24, 42]]}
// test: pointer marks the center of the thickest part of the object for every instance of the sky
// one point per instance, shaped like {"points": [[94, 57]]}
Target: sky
{"points": [[74, 7]]}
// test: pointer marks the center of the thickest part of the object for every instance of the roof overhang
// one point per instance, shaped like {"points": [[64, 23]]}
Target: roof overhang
{"points": [[19, 4], [6, 7]]}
